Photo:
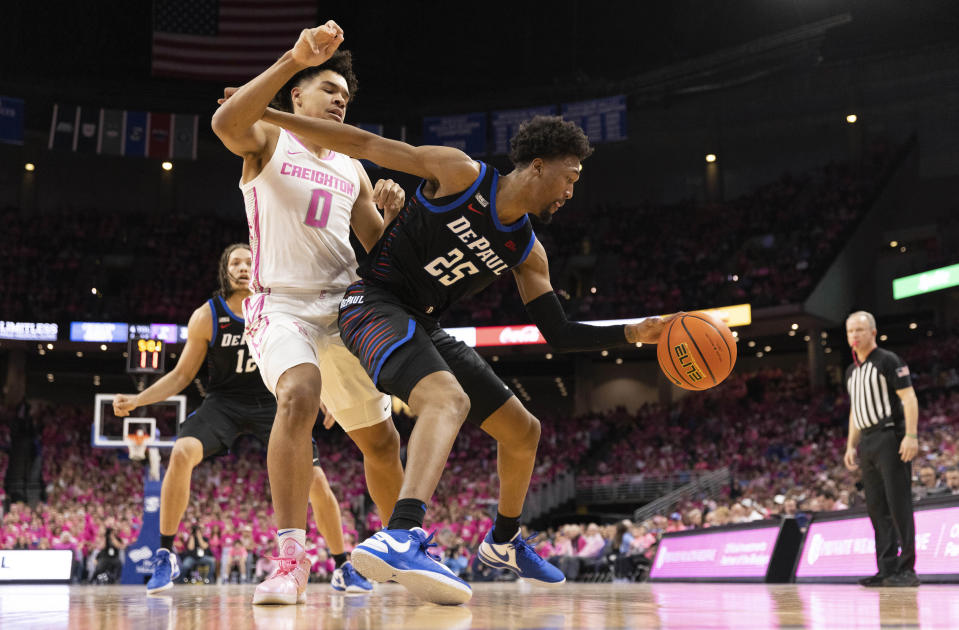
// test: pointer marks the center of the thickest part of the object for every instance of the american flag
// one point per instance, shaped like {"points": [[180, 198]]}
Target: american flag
{"points": [[225, 40]]}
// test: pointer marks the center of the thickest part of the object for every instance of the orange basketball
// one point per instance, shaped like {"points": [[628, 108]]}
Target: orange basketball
{"points": [[696, 351]]}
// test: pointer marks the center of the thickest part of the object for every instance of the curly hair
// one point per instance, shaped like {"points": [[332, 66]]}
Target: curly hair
{"points": [[223, 271], [341, 63], [548, 137]]}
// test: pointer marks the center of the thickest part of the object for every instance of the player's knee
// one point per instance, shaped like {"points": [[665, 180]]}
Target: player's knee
{"points": [[454, 404], [385, 443], [529, 437], [186, 453], [297, 403]]}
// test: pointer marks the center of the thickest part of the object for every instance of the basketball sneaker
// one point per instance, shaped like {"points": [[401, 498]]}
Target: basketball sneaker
{"points": [[165, 570], [518, 556], [347, 580], [402, 555], [287, 583]]}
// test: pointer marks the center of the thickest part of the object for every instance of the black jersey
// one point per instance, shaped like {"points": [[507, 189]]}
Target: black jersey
{"points": [[437, 251], [231, 369], [872, 387]]}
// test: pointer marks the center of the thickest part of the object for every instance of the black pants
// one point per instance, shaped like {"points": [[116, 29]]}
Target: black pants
{"points": [[887, 481]]}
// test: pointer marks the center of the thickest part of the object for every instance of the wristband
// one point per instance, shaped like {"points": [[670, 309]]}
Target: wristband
{"points": [[913, 435]]}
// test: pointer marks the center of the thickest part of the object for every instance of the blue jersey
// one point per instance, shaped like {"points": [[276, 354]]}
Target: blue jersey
{"points": [[437, 251]]}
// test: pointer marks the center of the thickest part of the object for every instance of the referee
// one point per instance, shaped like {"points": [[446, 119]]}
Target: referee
{"points": [[885, 428]]}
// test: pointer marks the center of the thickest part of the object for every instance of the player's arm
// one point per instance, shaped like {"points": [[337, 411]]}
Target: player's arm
{"points": [[199, 333], [237, 121], [852, 442], [449, 169], [536, 291], [909, 447], [364, 219]]}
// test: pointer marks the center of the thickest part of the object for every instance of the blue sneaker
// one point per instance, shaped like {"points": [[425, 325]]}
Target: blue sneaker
{"points": [[519, 557], [165, 570], [402, 555], [346, 579]]}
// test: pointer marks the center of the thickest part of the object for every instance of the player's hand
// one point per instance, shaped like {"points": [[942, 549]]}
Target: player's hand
{"points": [[649, 330], [908, 448], [227, 93], [123, 404], [849, 459], [389, 197], [328, 419], [317, 45]]}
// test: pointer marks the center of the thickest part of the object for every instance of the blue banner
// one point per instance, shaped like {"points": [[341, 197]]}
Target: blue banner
{"points": [[506, 122], [466, 132], [101, 332], [603, 119], [138, 565], [135, 139], [11, 120]]}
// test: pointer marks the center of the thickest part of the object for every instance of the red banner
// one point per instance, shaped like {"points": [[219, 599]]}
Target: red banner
{"points": [[158, 136]]}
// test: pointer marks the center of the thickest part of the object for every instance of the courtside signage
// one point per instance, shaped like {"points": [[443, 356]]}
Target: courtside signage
{"points": [[35, 565], [925, 282], [28, 331], [739, 554], [847, 547]]}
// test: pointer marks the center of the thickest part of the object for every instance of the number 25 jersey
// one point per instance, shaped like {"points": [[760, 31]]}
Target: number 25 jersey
{"points": [[437, 251], [298, 210]]}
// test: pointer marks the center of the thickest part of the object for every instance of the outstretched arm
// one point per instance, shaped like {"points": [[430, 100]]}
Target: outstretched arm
{"points": [[364, 219], [236, 122], [449, 169], [199, 333], [536, 291]]}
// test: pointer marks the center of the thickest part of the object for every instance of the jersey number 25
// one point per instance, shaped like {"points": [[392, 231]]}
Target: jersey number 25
{"points": [[440, 265]]}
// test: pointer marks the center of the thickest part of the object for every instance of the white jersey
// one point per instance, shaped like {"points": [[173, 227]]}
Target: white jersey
{"points": [[298, 210]]}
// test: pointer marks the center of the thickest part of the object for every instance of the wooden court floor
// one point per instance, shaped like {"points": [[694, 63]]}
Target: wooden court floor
{"points": [[510, 605]]}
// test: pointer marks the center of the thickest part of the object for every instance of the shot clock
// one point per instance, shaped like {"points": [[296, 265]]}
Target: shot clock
{"points": [[145, 355]]}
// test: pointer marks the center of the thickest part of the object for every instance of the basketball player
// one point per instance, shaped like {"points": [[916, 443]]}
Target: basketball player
{"points": [[301, 201], [465, 226], [237, 402]]}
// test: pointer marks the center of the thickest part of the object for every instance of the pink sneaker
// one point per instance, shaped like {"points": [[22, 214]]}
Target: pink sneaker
{"points": [[287, 583]]}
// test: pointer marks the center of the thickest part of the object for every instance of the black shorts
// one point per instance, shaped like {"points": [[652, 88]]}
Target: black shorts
{"points": [[220, 420], [397, 350]]}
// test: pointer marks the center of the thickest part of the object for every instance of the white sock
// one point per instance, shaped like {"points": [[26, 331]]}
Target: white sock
{"points": [[299, 535]]}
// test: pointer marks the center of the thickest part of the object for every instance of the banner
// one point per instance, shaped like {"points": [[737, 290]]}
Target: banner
{"points": [[110, 139], [135, 134], [88, 135], [140, 554], [35, 565], [184, 136], [158, 137], [466, 132], [603, 119], [28, 331], [63, 127], [506, 122], [745, 552], [11, 120]]}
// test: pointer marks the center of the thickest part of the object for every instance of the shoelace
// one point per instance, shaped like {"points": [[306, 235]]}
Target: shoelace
{"points": [[522, 545], [286, 564], [426, 544]]}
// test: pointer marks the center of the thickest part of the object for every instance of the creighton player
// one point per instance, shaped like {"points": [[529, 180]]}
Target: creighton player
{"points": [[301, 201], [465, 226], [237, 402]]}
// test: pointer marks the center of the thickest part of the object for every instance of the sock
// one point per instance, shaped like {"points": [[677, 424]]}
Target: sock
{"points": [[339, 559], [504, 528], [166, 542], [299, 535], [407, 514]]}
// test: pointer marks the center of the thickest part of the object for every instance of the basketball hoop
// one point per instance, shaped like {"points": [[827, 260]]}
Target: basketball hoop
{"points": [[137, 445]]}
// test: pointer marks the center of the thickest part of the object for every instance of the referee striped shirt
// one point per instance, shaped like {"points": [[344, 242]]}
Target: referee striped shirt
{"points": [[872, 387]]}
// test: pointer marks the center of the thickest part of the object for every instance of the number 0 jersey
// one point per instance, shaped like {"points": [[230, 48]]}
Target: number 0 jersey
{"points": [[298, 210], [437, 251], [231, 370]]}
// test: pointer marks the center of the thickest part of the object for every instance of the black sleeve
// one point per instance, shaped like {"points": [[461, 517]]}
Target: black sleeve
{"points": [[896, 371], [566, 336]]}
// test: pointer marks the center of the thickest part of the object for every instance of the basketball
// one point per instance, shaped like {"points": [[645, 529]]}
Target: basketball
{"points": [[696, 351]]}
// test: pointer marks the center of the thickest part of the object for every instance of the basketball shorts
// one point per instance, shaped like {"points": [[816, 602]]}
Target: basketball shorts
{"points": [[397, 350], [286, 330], [220, 420]]}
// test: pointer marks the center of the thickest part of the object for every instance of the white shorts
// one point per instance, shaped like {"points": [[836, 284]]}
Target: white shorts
{"points": [[287, 330]]}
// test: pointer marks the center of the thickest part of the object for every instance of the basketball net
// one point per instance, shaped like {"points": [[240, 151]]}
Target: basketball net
{"points": [[137, 445]]}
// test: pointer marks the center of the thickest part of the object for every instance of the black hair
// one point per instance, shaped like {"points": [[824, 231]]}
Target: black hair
{"points": [[548, 137], [341, 63], [223, 271]]}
